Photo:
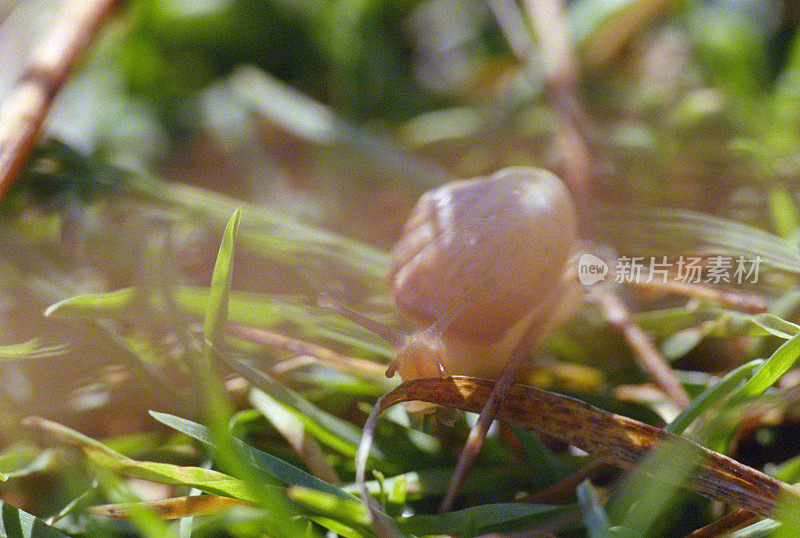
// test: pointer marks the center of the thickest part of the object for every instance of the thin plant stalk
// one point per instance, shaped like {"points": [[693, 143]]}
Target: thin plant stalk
{"points": [[51, 61]]}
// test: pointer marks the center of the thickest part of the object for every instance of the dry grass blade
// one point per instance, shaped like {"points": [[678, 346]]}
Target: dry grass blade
{"points": [[24, 109], [742, 301], [563, 490], [614, 439], [727, 524], [175, 508], [357, 367]]}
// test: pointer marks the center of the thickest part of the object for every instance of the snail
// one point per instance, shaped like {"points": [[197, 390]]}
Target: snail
{"points": [[481, 264]]}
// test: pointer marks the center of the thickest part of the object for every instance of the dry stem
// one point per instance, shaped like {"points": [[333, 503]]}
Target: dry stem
{"points": [[23, 111], [358, 367], [727, 524], [561, 77], [616, 313]]}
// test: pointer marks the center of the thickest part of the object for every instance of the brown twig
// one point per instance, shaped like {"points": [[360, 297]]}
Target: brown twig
{"points": [[727, 524], [561, 78], [738, 300], [351, 365], [477, 435], [23, 111], [616, 313], [561, 75], [564, 489]]}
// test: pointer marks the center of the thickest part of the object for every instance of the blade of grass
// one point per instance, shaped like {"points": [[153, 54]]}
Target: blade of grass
{"points": [[77, 504], [712, 395], [206, 480], [32, 350], [217, 305], [23, 459], [144, 520], [653, 486], [776, 326], [551, 468], [109, 304], [502, 518], [780, 362], [326, 428], [255, 458], [16, 523], [166, 473], [617, 440], [291, 427], [594, 515], [175, 508], [350, 512], [760, 529], [218, 408]]}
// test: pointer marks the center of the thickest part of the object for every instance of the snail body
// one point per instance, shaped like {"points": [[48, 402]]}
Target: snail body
{"points": [[481, 264]]}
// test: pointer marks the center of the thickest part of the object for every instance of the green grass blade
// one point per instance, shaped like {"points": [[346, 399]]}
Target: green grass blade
{"points": [[594, 515], [102, 305], [488, 518], [647, 494], [217, 305], [783, 359], [711, 395], [18, 461], [165, 473], [500, 518], [550, 469], [776, 326], [205, 480], [31, 350], [20, 456], [259, 460], [71, 437], [16, 523], [761, 529], [326, 428], [348, 511], [227, 452]]}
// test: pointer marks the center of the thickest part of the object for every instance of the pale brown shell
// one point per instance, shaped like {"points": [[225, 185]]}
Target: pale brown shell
{"points": [[494, 246]]}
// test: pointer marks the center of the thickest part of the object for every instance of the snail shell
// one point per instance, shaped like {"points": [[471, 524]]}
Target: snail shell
{"points": [[490, 254]]}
